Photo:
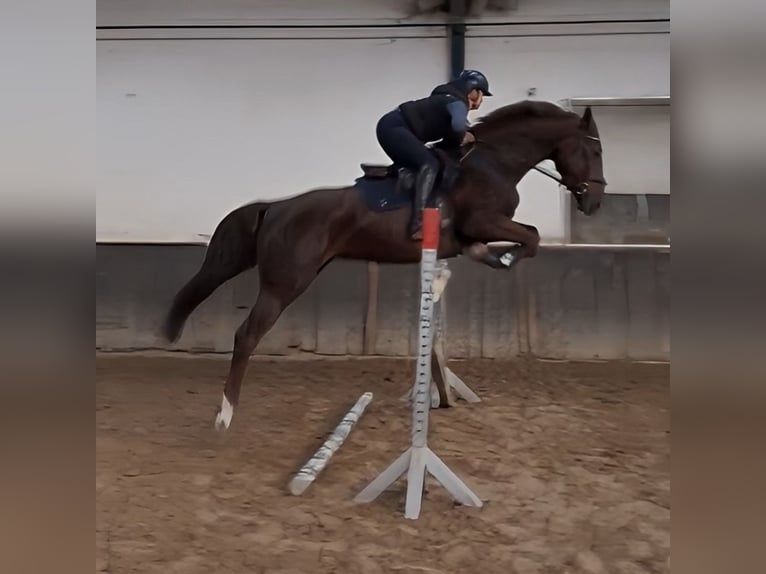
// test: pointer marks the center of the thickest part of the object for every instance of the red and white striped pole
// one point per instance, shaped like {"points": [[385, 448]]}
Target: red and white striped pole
{"points": [[419, 458], [422, 392]]}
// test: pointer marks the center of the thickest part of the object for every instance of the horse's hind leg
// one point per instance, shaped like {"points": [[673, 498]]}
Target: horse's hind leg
{"points": [[287, 284], [268, 307], [296, 241]]}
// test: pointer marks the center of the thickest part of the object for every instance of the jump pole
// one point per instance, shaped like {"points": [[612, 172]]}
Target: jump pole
{"points": [[419, 458], [440, 372], [316, 464]]}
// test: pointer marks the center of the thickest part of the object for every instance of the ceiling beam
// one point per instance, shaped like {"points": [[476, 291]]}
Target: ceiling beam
{"points": [[462, 8], [426, 6]]}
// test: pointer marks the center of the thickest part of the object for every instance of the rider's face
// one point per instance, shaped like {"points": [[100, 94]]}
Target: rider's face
{"points": [[475, 98]]}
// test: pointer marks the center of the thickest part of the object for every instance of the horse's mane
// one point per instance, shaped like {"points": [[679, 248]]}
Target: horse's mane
{"points": [[523, 110]]}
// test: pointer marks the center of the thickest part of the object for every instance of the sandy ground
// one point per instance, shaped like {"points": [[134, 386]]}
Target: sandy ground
{"points": [[572, 461]]}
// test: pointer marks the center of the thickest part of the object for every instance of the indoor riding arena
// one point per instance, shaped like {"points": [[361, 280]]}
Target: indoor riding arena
{"points": [[558, 368]]}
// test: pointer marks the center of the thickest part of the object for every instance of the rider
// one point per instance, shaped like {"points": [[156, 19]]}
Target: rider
{"points": [[403, 132]]}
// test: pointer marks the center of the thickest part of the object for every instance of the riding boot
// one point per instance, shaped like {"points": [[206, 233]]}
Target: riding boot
{"points": [[423, 186]]}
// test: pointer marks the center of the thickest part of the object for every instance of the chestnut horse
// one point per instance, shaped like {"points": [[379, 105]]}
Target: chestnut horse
{"points": [[292, 240]]}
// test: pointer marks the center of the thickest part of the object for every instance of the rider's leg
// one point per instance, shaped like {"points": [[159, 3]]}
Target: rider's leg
{"points": [[404, 148], [424, 185]]}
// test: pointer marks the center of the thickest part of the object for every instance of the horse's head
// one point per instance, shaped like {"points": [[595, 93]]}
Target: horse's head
{"points": [[578, 160], [525, 133]]}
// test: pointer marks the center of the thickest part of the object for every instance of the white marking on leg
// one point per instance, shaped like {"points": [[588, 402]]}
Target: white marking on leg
{"points": [[223, 418], [507, 258]]}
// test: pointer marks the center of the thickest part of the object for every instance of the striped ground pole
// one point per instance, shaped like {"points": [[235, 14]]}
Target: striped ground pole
{"points": [[316, 464], [418, 459]]}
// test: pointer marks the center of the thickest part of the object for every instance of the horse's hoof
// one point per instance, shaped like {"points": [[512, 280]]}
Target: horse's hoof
{"points": [[220, 424], [223, 418]]}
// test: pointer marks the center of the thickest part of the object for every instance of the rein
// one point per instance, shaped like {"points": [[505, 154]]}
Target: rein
{"points": [[582, 187]]}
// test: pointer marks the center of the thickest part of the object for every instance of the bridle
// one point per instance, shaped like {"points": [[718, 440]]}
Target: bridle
{"points": [[580, 190], [582, 187]]}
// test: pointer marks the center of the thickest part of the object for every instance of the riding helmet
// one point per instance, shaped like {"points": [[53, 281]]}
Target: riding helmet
{"points": [[474, 79]]}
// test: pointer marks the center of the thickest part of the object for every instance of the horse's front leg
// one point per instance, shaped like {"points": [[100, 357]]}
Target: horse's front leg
{"points": [[494, 256], [489, 228]]}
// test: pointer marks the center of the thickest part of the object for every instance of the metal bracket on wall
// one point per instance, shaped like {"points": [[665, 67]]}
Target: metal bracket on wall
{"points": [[616, 101]]}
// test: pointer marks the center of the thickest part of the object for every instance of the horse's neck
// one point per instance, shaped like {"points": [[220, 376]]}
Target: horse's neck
{"points": [[510, 161], [515, 152]]}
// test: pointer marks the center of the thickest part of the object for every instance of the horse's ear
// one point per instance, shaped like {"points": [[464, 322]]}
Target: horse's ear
{"points": [[587, 117]]}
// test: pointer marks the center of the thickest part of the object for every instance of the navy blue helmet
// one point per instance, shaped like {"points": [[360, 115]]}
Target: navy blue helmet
{"points": [[474, 79]]}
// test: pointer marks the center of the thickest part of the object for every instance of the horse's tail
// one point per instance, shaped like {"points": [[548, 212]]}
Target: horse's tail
{"points": [[231, 250]]}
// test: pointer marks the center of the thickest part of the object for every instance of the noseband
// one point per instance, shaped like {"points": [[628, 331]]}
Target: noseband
{"points": [[582, 187]]}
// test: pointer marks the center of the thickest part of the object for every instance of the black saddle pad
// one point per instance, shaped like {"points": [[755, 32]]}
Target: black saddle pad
{"points": [[381, 194]]}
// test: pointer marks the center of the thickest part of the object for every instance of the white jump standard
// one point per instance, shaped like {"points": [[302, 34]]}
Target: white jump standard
{"points": [[309, 471], [441, 375], [418, 459]]}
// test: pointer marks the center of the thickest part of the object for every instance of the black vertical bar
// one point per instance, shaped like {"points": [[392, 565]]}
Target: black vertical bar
{"points": [[457, 50], [456, 28]]}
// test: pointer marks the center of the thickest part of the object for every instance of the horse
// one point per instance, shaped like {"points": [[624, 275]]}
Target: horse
{"points": [[291, 240]]}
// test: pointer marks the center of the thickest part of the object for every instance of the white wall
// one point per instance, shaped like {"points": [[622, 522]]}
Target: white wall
{"points": [[636, 148], [191, 127]]}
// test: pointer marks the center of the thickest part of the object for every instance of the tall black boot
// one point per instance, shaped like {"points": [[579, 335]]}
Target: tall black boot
{"points": [[423, 186]]}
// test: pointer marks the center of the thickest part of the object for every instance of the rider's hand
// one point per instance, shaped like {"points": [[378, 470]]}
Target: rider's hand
{"points": [[468, 138]]}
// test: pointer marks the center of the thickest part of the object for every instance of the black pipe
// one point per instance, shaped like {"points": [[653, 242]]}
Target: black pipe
{"points": [[456, 34], [457, 49]]}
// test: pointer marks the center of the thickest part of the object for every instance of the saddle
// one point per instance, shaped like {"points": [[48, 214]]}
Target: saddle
{"points": [[405, 177]]}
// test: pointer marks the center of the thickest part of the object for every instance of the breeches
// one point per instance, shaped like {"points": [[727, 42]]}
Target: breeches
{"points": [[401, 145]]}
